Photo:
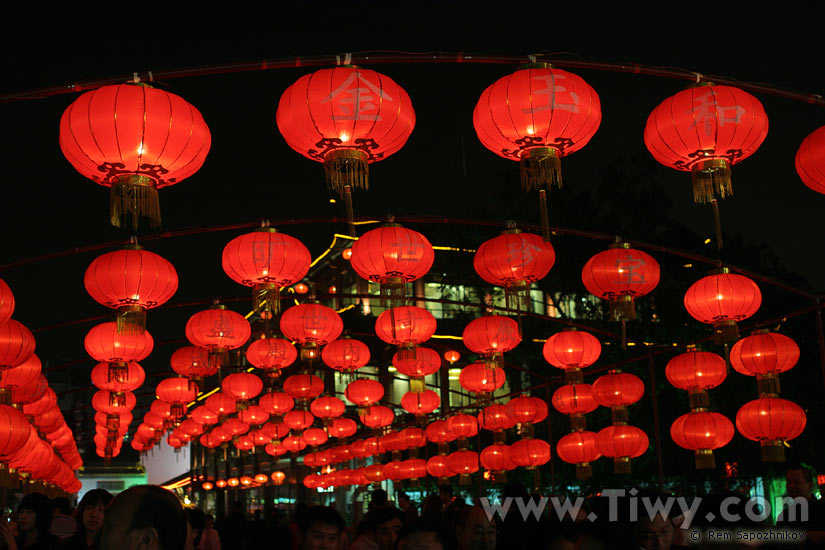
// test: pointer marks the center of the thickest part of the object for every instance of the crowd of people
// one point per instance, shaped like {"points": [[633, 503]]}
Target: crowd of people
{"points": [[148, 517]]}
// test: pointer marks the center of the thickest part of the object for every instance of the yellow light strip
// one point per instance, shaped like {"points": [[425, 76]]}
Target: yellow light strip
{"points": [[342, 310], [446, 337], [177, 485], [453, 249]]}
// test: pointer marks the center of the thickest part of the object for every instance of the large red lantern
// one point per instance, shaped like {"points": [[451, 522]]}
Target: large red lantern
{"points": [[417, 364], [572, 350], [342, 428], [621, 443], [204, 416], [527, 410], [462, 426], [537, 115], [218, 330], [346, 117], [722, 299], [177, 392], [480, 379], [496, 458], [405, 326], [193, 363], [696, 372], [439, 432], [620, 275], [420, 403], [771, 421], [617, 390], [377, 416], [315, 437], [530, 453], [514, 260], [810, 160], [220, 404], [276, 403], [491, 336], [271, 355], [463, 463], [702, 432], [705, 130], [131, 281], [242, 386], [575, 400], [298, 420], [439, 466], [345, 355], [105, 344], [6, 302], [764, 354], [579, 448], [303, 387], [327, 407], [267, 261], [131, 381], [311, 325], [496, 418], [16, 344], [294, 444], [364, 392], [392, 256], [14, 431], [135, 139]]}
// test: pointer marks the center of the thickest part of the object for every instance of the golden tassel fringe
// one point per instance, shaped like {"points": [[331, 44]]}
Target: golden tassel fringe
{"points": [[132, 199], [344, 167], [266, 300], [583, 471], [131, 320], [711, 180], [393, 292], [725, 332], [540, 168], [623, 308], [773, 451], [517, 295], [705, 459], [621, 465]]}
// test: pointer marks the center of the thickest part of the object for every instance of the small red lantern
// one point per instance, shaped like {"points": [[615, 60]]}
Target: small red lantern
{"points": [[193, 363], [439, 432], [203, 415], [327, 407], [451, 356], [103, 343], [27, 374], [221, 483], [530, 453], [377, 416], [311, 325], [342, 428], [722, 299], [294, 444], [618, 389], [620, 275], [579, 448], [271, 355], [315, 436], [417, 363], [810, 160], [233, 482], [705, 130], [207, 486], [273, 449], [375, 473], [771, 421], [364, 392], [413, 438], [491, 336], [218, 330], [6, 302], [572, 350], [102, 401], [495, 418], [702, 432], [527, 410], [135, 139], [298, 420], [696, 372], [242, 387], [276, 403], [621, 443], [392, 256], [463, 463], [420, 403], [462, 426], [131, 281], [439, 466], [177, 392], [764, 354], [514, 260], [537, 115], [244, 443], [278, 477], [303, 387], [405, 325], [220, 404], [267, 261], [345, 355], [481, 379], [496, 458], [575, 400]]}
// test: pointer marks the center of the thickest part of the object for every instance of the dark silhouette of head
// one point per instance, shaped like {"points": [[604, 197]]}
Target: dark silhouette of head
{"points": [[144, 517]]}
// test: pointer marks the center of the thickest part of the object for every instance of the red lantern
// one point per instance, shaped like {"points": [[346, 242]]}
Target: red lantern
{"points": [[14, 431], [103, 402], [298, 420], [621, 443], [131, 381], [177, 392], [273, 449], [491, 336], [16, 344], [220, 403], [135, 139], [29, 393], [481, 379], [620, 275], [417, 363], [42, 405], [218, 330], [575, 399], [696, 370], [722, 299], [22, 375], [234, 426], [375, 473], [193, 363], [278, 477], [405, 325], [514, 260], [294, 444], [579, 448], [327, 407], [105, 344], [342, 428], [414, 468], [413, 438], [311, 325], [364, 392], [495, 418], [764, 353], [702, 432], [420, 403], [242, 387], [463, 463], [276, 403], [530, 453], [345, 355], [537, 115], [618, 389], [810, 160], [527, 410], [131, 281], [439, 466], [705, 130], [315, 436], [439, 432], [496, 458], [572, 350], [345, 117], [189, 427], [377, 416], [271, 354], [203, 415], [303, 387], [6, 302], [771, 421], [451, 356], [462, 426], [267, 261], [392, 256]]}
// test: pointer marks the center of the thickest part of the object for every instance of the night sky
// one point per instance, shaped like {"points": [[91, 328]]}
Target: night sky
{"points": [[443, 170]]}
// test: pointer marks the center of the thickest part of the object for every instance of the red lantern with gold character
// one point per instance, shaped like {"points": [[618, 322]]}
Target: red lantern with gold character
{"points": [[620, 275], [218, 330], [271, 355], [311, 325], [345, 355], [491, 336]]}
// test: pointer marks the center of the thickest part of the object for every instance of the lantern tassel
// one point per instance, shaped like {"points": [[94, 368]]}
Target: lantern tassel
{"points": [[266, 299], [623, 308], [131, 320], [133, 198], [583, 471], [540, 168], [705, 459], [621, 465], [393, 292], [516, 295], [545, 217], [711, 180], [346, 167], [725, 332], [773, 451]]}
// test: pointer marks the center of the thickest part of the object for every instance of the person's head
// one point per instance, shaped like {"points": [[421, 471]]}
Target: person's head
{"points": [[320, 528], [799, 482], [425, 535], [385, 523], [656, 532], [445, 491], [432, 508], [475, 530], [403, 500], [195, 522], [378, 499], [60, 505], [34, 514], [144, 517], [90, 511]]}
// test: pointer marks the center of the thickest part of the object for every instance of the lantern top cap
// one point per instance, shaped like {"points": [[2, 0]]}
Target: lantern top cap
{"points": [[620, 244], [535, 65], [720, 271], [761, 331], [701, 83]]}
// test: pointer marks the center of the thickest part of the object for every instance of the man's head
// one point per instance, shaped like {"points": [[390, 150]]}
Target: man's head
{"points": [[475, 531], [378, 499], [799, 482], [653, 533], [445, 492], [385, 524], [403, 500], [320, 527], [61, 506], [144, 517], [425, 535]]}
